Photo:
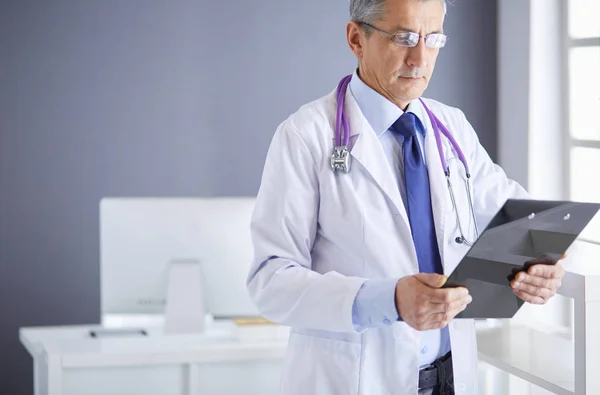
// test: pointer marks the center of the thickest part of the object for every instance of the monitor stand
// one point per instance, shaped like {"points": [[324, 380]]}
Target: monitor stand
{"points": [[184, 307]]}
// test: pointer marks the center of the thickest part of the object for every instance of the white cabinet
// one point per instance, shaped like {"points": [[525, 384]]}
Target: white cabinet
{"points": [[67, 361]]}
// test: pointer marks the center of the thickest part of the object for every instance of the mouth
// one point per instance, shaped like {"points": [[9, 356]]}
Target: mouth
{"points": [[411, 78]]}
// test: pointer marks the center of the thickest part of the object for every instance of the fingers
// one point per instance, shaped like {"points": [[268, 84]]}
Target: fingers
{"points": [[533, 299], [535, 281], [547, 271], [441, 319], [535, 291], [429, 308], [432, 315], [539, 284], [432, 307], [447, 295], [450, 313]]}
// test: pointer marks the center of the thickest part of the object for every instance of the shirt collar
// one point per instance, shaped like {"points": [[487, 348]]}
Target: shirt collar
{"points": [[379, 111]]}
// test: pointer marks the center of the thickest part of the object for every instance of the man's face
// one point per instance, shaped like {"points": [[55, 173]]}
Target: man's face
{"points": [[401, 74]]}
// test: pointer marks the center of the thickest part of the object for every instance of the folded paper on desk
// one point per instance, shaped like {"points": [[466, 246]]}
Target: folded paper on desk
{"points": [[259, 329], [252, 321], [523, 233]]}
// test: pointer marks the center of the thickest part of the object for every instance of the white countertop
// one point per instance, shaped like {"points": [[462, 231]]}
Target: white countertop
{"points": [[222, 341], [538, 357]]}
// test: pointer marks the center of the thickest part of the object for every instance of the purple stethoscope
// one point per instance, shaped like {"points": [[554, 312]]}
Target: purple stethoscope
{"points": [[340, 159]]}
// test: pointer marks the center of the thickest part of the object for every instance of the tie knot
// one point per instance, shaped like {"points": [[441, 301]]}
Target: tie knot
{"points": [[407, 125]]}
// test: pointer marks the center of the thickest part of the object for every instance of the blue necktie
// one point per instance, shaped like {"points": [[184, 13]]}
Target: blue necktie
{"points": [[418, 196]]}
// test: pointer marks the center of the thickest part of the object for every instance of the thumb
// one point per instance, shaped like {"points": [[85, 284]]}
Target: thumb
{"points": [[564, 255], [434, 280]]}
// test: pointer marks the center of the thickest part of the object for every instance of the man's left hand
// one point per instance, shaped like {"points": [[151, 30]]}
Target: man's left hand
{"points": [[539, 283]]}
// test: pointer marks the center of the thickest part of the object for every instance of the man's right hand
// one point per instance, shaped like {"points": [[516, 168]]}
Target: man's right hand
{"points": [[423, 305]]}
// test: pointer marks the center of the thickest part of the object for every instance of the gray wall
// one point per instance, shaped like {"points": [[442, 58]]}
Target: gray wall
{"points": [[137, 98]]}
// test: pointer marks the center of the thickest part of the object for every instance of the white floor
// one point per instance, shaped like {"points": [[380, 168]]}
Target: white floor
{"points": [[493, 381]]}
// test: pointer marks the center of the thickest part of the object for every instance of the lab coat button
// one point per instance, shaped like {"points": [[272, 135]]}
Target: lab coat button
{"points": [[462, 386], [386, 321], [424, 350]]}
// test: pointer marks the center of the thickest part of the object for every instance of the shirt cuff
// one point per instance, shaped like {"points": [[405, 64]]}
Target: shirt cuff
{"points": [[375, 305]]}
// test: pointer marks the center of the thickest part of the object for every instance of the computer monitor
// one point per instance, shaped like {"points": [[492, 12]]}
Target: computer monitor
{"points": [[140, 237]]}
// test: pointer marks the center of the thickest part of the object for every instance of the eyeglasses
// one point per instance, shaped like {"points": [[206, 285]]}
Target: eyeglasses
{"points": [[411, 39]]}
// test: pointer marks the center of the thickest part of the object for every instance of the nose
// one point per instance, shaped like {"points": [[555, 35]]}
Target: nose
{"points": [[417, 55]]}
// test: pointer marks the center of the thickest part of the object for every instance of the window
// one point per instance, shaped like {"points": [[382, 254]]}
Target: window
{"points": [[583, 107]]}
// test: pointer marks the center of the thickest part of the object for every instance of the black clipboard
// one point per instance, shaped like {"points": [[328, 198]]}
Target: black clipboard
{"points": [[521, 234]]}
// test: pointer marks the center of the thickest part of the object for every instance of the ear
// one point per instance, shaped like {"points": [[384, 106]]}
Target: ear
{"points": [[356, 38]]}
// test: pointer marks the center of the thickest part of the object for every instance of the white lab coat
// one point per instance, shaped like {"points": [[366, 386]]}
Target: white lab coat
{"points": [[327, 233]]}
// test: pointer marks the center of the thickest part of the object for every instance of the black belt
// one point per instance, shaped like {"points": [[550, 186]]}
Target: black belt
{"points": [[439, 372]]}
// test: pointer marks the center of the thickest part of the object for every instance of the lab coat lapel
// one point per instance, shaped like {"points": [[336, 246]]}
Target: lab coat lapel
{"points": [[367, 150], [437, 181]]}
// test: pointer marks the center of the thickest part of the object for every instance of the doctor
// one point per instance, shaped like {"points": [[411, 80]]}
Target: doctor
{"points": [[353, 259]]}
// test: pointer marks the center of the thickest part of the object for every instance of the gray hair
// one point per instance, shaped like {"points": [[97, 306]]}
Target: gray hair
{"points": [[371, 11]]}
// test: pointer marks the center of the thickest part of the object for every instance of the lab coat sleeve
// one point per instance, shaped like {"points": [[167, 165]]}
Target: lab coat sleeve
{"points": [[491, 186], [283, 229]]}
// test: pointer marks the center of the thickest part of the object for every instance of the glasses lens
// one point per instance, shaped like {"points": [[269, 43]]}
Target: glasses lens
{"points": [[406, 39], [435, 40]]}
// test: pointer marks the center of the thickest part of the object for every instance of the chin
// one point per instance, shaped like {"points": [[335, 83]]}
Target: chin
{"points": [[412, 88], [408, 95]]}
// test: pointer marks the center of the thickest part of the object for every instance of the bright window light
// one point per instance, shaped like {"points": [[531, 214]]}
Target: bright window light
{"points": [[584, 76], [585, 174], [584, 18]]}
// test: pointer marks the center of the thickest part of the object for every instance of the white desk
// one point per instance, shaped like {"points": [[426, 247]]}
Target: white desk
{"points": [[67, 361]]}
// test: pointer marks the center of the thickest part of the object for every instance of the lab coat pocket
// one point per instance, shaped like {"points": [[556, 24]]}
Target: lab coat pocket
{"points": [[320, 362]]}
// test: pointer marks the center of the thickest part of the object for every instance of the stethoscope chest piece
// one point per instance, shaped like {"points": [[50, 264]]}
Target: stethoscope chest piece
{"points": [[340, 159]]}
